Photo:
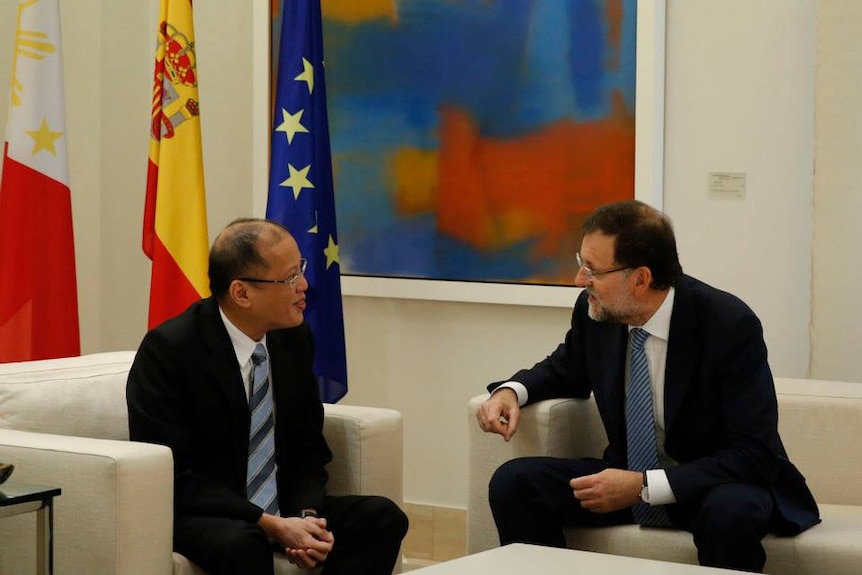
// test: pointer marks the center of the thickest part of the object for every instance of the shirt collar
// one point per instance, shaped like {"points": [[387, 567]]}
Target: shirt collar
{"points": [[243, 346], [659, 324]]}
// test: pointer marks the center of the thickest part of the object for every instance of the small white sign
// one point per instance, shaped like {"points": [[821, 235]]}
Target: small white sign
{"points": [[727, 185]]}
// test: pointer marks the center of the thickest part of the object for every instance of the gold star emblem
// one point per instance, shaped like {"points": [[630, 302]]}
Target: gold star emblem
{"points": [[291, 124], [44, 138], [331, 252], [307, 75], [298, 180]]}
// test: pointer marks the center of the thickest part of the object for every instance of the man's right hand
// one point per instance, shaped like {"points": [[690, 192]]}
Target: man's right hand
{"points": [[500, 413], [306, 542]]}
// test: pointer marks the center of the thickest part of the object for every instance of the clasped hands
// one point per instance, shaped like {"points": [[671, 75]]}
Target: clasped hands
{"points": [[608, 490], [306, 542]]}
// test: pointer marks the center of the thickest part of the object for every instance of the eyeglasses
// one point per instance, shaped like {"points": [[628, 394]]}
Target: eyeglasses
{"points": [[591, 273], [291, 281]]}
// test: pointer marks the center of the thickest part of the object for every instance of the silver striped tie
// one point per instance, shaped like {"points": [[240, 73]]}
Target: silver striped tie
{"points": [[640, 426], [261, 483]]}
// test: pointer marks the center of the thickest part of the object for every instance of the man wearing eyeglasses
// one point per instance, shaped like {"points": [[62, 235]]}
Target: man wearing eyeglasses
{"points": [[681, 380], [228, 386]]}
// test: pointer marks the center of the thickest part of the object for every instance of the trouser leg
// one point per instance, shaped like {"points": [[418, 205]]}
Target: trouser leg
{"points": [[531, 500], [729, 527], [224, 546], [368, 531]]}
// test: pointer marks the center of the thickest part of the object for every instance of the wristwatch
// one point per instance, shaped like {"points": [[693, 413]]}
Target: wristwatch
{"points": [[645, 490], [307, 513]]}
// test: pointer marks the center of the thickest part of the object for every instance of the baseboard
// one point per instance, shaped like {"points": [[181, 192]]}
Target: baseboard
{"points": [[436, 533]]}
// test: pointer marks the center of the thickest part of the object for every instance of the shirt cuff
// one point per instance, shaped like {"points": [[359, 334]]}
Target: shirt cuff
{"points": [[660, 492], [519, 390]]}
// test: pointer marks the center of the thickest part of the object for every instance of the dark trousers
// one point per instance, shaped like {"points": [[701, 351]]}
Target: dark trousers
{"points": [[368, 531], [532, 502]]}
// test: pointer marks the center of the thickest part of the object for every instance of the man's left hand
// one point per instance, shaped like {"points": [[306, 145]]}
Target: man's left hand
{"points": [[608, 490]]}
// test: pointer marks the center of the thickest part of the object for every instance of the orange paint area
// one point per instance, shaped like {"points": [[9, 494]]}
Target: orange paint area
{"points": [[414, 174], [356, 11], [496, 193]]}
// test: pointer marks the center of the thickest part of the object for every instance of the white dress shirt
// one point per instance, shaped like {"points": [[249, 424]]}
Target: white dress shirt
{"points": [[243, 347]]}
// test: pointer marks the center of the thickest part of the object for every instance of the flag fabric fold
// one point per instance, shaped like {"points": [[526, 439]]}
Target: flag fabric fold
{"points": [[301, 194], [38, 291], [175, 219]]}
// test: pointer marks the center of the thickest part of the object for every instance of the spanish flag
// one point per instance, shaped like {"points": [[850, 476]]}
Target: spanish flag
{"points": [[38, 290], [175, 214]]}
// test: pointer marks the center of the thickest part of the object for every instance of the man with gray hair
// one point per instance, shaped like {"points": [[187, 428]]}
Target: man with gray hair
{"points": [[681, 380]]}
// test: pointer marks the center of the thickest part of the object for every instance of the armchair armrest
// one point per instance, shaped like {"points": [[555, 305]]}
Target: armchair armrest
{"points": [[116, 508], [556, 428], [367, 445]]}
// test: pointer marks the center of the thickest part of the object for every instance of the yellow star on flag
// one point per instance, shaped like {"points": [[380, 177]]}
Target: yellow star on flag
{"points": [[331, 252], [298, 180], [291, 124], [307, 75], [44, 138]]}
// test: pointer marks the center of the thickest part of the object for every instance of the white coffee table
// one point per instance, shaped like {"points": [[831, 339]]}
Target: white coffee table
{"points": [[517, 559]]}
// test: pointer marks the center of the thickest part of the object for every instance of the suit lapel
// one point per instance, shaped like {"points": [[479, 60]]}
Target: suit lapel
{"points": [[282, 374], [224, 374], [681, 352], [222, 358], [610, 392]]}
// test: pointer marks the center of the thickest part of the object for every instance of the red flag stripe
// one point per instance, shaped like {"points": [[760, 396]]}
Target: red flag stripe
{"points": [[39, 303]]}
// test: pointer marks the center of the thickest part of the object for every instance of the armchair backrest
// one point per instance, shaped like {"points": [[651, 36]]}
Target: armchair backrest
{"points": [[82, 396]]}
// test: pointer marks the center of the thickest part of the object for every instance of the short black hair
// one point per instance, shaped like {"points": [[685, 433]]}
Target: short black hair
{"points": [[236, 251], [643, 237]]}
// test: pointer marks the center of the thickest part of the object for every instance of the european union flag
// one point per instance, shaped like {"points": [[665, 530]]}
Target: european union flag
{"points": [[301, 195]]}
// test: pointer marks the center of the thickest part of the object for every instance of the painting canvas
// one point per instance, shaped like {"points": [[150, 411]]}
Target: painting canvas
{"points": [[471, 137]]}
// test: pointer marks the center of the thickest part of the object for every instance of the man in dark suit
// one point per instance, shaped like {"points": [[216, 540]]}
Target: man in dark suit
{"points": [[698, 450], [197, 384]]}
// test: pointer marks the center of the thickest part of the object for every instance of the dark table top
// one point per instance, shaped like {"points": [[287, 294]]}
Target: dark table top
{"points": [[12, 493]]}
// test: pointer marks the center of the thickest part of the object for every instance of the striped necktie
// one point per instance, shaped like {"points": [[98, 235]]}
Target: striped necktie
{"points": [[640, 426], [261, 483]]}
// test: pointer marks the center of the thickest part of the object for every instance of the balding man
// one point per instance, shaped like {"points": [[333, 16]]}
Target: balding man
{"points": [[228, 386]]}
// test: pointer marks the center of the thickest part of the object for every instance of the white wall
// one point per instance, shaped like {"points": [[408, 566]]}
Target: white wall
{"points": [[739, 98], [837, 276]]}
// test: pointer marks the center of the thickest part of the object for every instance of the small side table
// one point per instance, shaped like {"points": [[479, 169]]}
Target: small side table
{"points": [[18, 498]]}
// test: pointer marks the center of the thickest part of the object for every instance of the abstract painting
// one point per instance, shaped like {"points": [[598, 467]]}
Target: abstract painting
{"points": [[471, 137]]}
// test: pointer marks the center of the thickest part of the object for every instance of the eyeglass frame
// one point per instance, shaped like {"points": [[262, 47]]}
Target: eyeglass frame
{"points": [[591, 273], [291, 281]]}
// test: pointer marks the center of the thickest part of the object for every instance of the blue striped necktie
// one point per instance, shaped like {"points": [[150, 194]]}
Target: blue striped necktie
{"points": [[261, 483], [640, 426]]}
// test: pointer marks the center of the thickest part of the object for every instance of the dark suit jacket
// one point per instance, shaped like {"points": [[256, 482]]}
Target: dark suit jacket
{"points": [[185, 391], [721, 412]]}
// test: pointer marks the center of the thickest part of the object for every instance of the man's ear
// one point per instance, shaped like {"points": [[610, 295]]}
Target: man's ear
{"points": [[643, 279], [238, 293]]}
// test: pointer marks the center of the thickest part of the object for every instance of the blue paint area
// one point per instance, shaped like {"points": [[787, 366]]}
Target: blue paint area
{"points": [[462, 262], [586, 57], [401, 248], [363, 200], [412, 247], [625, 78]]}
